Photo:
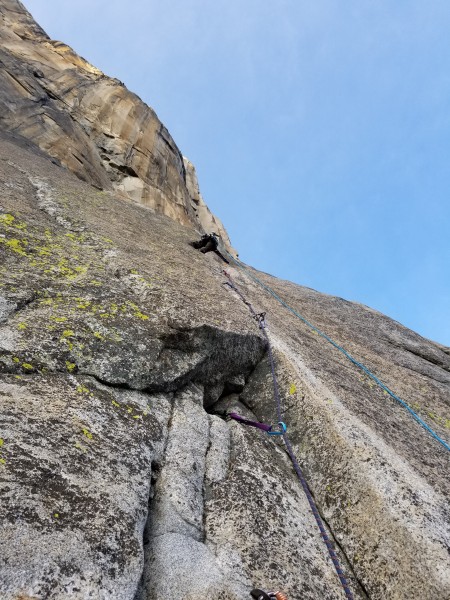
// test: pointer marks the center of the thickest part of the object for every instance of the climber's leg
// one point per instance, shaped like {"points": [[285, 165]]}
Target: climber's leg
{"points": [[210, 245]]}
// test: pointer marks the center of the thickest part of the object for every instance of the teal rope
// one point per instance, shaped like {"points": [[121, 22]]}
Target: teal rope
{"points": [[344, 352], [328, 543]]}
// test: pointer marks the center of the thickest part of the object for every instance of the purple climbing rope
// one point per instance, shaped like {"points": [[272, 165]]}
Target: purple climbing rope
{"points": [[260, 317], [267, 428], [263, 426]]}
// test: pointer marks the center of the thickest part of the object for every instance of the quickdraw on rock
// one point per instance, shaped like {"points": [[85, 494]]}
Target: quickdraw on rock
{"points": [[282, 428], [260, 318]]}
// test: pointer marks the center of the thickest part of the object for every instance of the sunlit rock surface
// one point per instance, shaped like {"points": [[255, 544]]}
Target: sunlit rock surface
{"points": [[120, 346], [90, 122]]}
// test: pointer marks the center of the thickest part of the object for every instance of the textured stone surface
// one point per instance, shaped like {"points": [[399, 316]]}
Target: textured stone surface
{"points": [[90, 303], [207, 220], [115, 335], [91, 123], [75, 485]]}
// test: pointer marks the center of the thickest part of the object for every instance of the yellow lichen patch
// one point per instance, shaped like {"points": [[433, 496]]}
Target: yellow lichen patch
{"points": [[74, 237], [68, 343], [2, 441], [47, 301], [15, 359], [98, 335], [114, 403], [17, 246], [68, 333], [139, 315], [56, 515], [58, 319], [21, 326], [81, 389], [87, 433], [2, 461], [7, 220], [70, 366], [438, 419], [292, 389], [137, 311], [145, 282], [27, 366], [83, 305]]}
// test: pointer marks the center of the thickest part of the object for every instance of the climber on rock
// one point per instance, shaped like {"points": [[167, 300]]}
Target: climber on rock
{"points": [[210, 242], [261, 595]]}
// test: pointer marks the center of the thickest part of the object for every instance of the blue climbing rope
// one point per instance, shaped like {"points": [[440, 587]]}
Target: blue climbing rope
{"points": [[260, 318], [344, 352]]}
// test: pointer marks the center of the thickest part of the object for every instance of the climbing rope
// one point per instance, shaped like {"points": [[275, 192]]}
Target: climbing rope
{"points": [[267, 428], [260, 318], [345, 353]]}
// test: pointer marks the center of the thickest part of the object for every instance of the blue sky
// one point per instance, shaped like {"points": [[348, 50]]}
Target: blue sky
{"points": [[320, 130]]}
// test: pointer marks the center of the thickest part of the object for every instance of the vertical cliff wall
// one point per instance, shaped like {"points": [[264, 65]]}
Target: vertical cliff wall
{"points": [[121, 347], [91, 123]]}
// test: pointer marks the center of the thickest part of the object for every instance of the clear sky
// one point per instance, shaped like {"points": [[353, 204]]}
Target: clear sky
{"points": [[320, 130]]}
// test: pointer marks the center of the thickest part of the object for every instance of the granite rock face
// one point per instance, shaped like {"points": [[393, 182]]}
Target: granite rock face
{"points": [[121, 346], [91, 123]]}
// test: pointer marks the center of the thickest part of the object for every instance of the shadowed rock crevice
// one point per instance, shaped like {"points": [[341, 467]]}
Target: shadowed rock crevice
{"points": [[142, 591], [177, 555]]}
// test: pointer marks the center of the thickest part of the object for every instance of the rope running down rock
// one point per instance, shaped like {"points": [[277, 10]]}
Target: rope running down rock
{"points": [[290, 451], [344, 352]]}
